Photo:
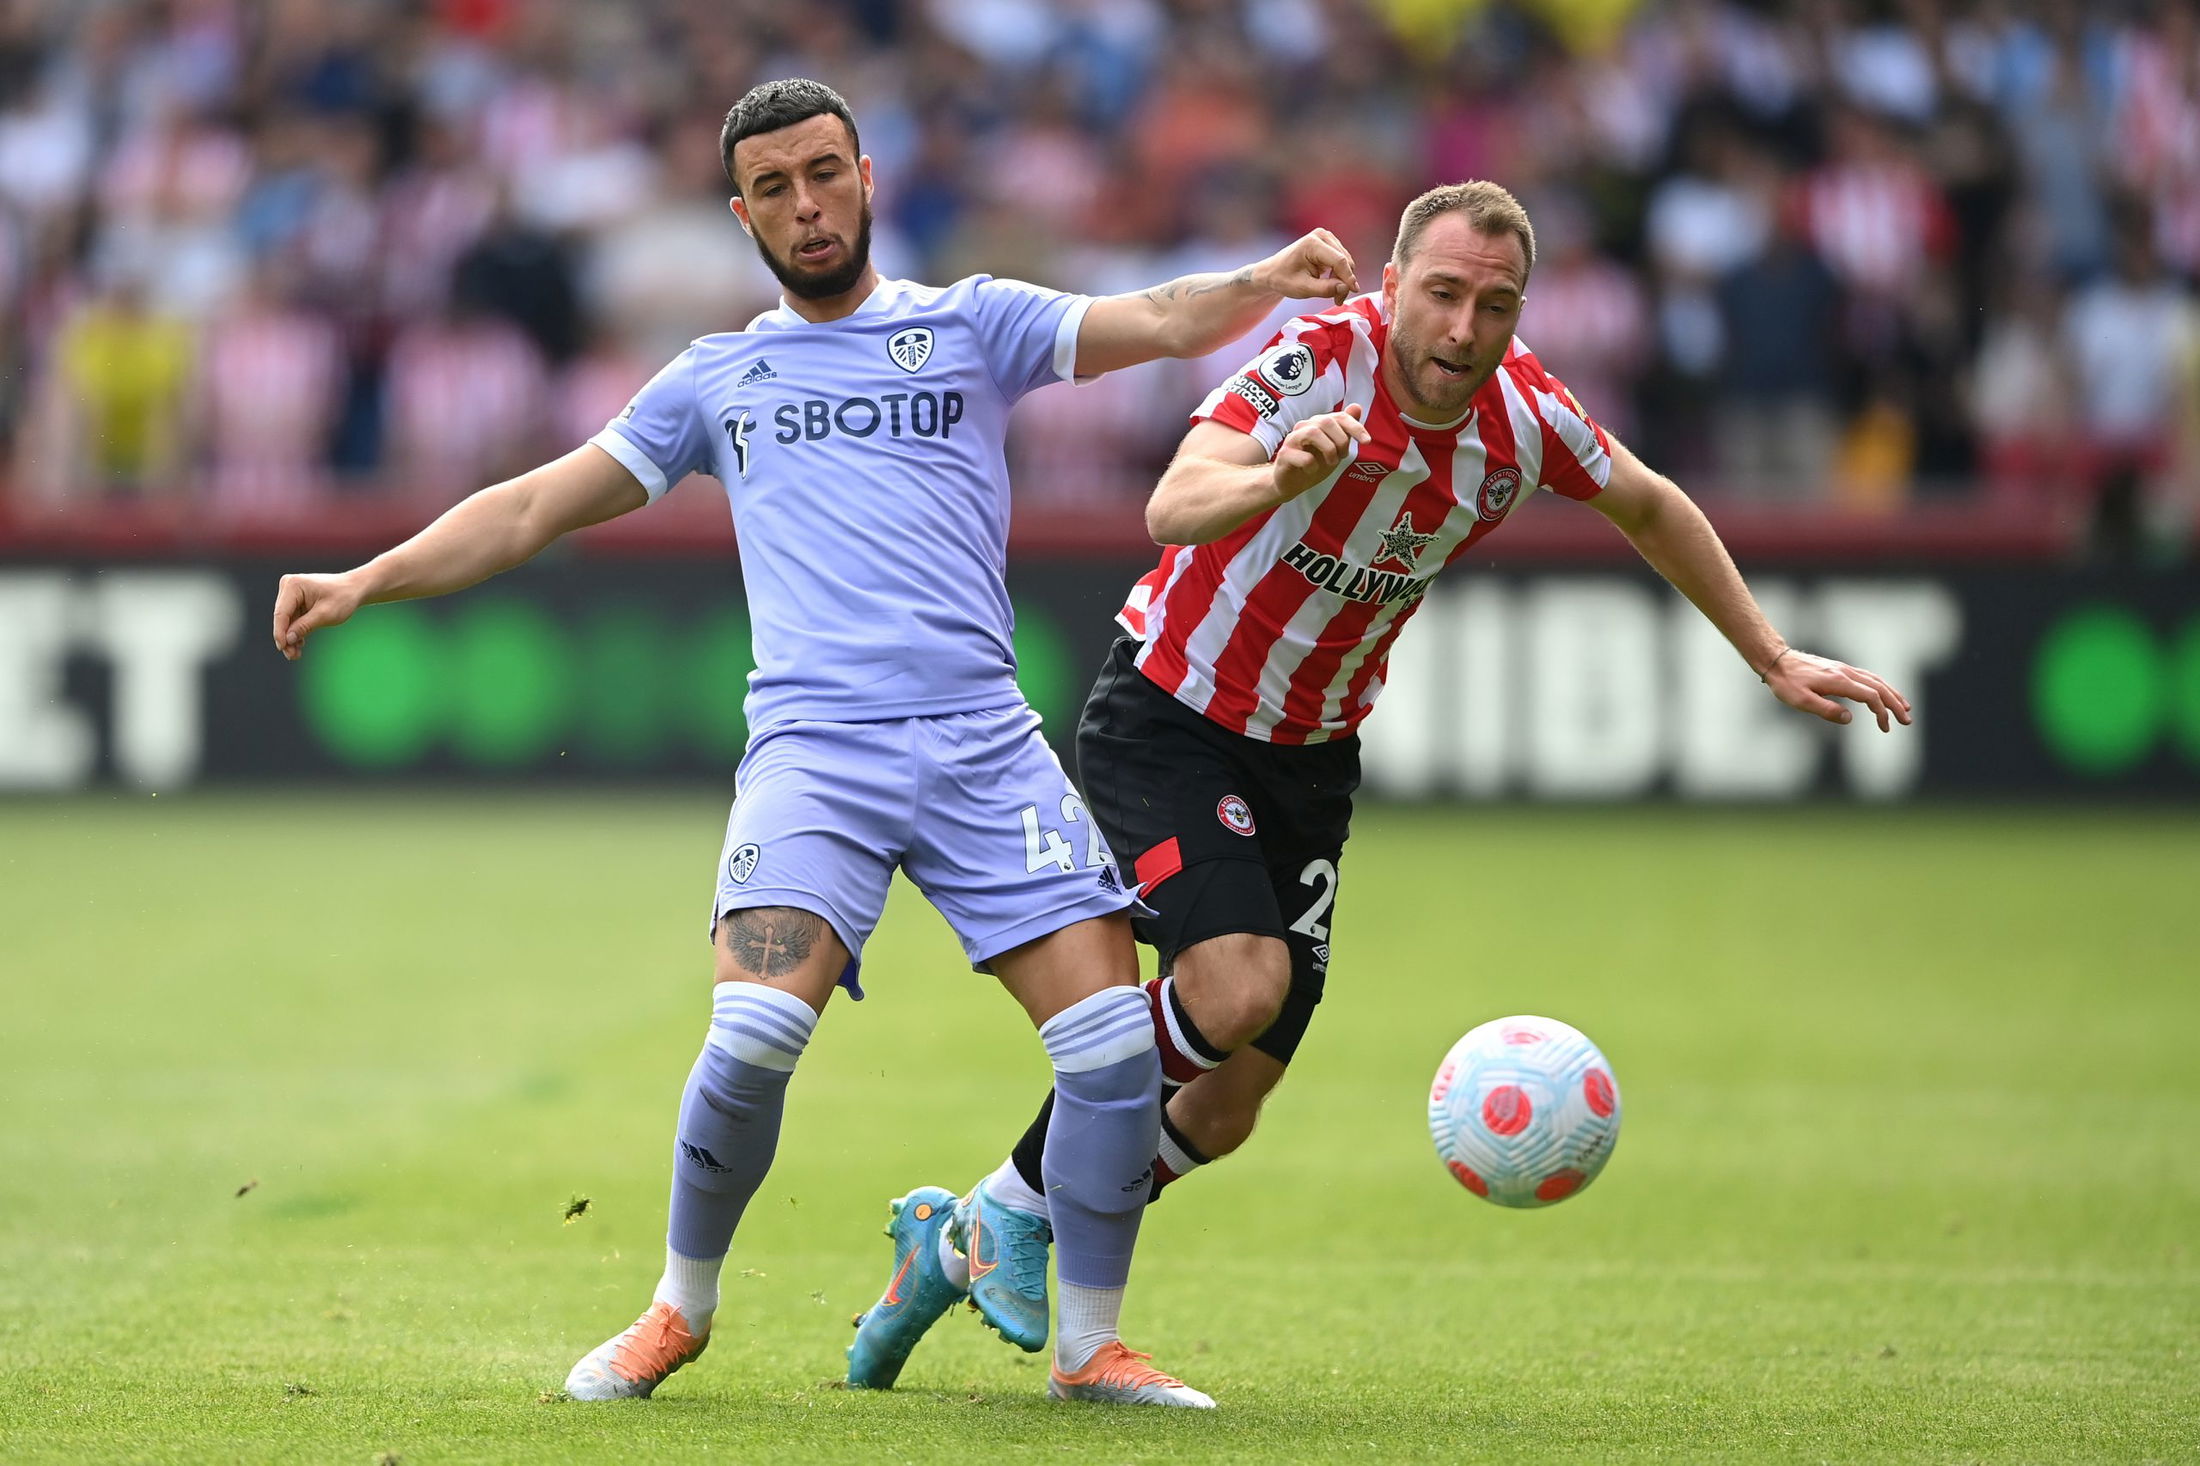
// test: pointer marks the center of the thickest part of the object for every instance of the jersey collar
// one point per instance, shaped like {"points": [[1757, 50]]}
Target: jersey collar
{"points": [[1414, 424], [782, 316]]}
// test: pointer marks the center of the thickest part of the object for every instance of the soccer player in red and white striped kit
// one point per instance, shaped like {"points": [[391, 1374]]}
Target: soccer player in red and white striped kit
{"points": [[1317, 494]]}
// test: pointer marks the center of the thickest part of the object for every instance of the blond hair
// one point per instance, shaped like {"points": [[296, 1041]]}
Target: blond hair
{"points": [[1489, 208]]}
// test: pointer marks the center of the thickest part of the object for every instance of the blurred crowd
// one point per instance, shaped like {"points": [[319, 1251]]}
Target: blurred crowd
{"points": [[257, 253]]}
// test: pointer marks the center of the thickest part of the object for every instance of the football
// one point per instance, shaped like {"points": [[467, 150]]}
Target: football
{"points": [[1524, 1111]]}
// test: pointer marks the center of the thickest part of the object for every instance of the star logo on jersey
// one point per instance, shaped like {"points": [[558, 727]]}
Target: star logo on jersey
{"points": [[737, 433], [910, 349], [1401, 544]]}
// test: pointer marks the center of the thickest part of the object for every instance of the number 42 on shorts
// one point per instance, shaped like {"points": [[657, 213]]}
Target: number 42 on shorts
{"points": [[1045, 846]]}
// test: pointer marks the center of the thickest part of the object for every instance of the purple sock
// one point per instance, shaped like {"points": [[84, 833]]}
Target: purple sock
{"points": [[729, 1112], [1101, 1137]]}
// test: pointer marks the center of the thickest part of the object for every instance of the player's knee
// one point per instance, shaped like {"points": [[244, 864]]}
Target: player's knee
{"points": [[1249, 1010], [1234, 986]]}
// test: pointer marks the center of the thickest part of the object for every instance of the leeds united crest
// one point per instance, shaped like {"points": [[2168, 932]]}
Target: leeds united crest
{"points": [[910, 349]]}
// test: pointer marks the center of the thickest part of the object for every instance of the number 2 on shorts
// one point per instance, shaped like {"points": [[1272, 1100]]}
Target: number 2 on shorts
{"points": [[1324, 874]]}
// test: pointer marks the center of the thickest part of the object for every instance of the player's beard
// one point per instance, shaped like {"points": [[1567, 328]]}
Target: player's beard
{"points": [[824, 285], [1421, 375]]}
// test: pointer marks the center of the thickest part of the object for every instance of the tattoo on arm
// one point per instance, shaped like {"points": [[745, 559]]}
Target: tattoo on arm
{"points": [[769, 941], [1191, 286]]}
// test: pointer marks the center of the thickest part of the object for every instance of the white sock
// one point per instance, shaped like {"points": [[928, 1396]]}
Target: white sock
{"points": [[1089, 1318], [953, 1263], [1008, 1187], [690, 1284], [1174, 1158]]}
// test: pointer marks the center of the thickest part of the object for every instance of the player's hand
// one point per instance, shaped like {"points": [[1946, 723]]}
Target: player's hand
{"points": [[306, 603], [1820, 684], [1311, 451], [1317, 265]]}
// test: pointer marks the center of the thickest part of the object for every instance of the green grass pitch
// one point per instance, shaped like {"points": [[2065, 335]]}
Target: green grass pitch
{"points": [[1911, 1166]]}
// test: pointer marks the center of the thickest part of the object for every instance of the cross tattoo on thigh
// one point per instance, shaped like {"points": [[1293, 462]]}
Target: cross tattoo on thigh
{"points": [[770, 941]]}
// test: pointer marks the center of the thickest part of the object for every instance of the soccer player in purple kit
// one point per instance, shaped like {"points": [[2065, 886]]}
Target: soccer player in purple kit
{"points": [[858, 431]]}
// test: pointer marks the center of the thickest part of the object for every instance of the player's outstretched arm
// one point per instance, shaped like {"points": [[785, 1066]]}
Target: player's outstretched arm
{"points": [[485, 533], [1221, 477], [1671, 533], [1197, 314]]}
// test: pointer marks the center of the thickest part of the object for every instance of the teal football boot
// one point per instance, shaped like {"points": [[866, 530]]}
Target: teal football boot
{"points": [[917, 1294], [1007, 1248]]}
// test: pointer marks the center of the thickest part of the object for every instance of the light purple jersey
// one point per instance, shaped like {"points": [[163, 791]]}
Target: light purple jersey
{"points": [[863, 461]]}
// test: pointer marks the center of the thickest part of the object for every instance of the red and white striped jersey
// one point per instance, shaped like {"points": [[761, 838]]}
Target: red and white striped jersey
{"points": [[1281, 629]]}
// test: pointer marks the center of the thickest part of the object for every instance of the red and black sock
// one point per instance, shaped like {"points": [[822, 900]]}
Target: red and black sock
{"points": [[1177, 1155], [1185, 1055]]}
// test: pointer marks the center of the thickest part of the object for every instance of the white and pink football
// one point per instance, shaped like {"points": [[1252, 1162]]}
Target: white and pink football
{"points": [[1524, 1111]]}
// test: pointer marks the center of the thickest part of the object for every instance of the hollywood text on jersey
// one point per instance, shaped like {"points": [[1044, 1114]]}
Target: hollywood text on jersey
{"points": [[1353, 582]]}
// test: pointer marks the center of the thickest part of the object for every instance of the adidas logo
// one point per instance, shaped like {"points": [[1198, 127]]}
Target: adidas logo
{"points": [[761, 372], [701, 1157]]}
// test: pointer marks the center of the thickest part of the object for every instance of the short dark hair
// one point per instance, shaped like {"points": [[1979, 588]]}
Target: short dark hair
{"points": [[771, 105], [1489, 209]]}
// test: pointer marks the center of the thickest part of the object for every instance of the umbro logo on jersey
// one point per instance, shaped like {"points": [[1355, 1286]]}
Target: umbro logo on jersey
{"points": [[1368, 468], [761, 372], [910, 349]]}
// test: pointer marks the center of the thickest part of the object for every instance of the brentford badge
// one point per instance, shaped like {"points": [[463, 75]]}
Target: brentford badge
{"points": [[1500, 486], [1235, 815]]}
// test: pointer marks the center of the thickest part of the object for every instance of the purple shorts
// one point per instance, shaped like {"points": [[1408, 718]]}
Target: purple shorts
{"points": [[973, 807]]}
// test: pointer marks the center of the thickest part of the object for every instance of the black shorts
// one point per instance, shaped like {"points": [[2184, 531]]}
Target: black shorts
{"points": [[1226, 833]]}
